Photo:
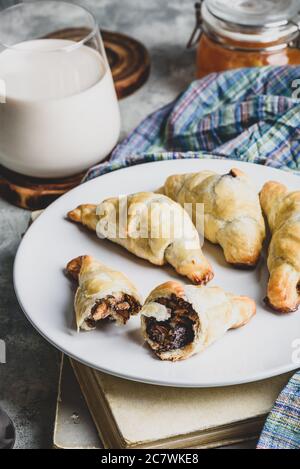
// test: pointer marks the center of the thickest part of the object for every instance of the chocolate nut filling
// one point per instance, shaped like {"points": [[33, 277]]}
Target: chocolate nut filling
{"points": [[115, 308], [176, 332]]}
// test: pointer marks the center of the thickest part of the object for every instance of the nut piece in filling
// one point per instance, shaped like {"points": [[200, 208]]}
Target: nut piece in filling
{"points": [[117, 308], [178, 330]]}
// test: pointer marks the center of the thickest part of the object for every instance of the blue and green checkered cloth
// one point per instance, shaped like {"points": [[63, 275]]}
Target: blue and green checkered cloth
{"points": [[282, 428], [248, 115]]}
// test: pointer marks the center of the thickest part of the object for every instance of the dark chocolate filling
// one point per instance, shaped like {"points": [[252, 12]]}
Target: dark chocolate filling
{"points": [[177, 331]]}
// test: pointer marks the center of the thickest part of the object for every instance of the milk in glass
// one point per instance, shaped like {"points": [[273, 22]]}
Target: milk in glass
{"points": [[60, 114]]}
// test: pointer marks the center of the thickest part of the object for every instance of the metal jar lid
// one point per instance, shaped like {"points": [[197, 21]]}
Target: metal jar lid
{"points": [[249, 21], [255, 13]]}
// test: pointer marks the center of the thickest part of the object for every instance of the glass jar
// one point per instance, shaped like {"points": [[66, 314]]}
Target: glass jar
{"points": [[245, 33]]}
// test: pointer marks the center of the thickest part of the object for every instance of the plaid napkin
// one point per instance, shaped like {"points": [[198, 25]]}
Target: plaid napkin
{"points": [[282, 428], [249, 115]]}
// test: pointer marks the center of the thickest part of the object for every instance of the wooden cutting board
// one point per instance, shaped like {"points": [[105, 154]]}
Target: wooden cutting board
{"points": [[130, 65]]}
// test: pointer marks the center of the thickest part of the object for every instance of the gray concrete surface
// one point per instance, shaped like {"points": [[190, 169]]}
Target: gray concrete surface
{"points": [[28, 381]]}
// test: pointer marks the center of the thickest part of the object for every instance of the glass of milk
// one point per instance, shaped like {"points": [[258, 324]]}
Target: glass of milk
{"points": [[59, 112]]}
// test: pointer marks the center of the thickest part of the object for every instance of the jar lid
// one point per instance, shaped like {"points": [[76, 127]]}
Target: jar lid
{"points": [[259, 21], [255, 12]]}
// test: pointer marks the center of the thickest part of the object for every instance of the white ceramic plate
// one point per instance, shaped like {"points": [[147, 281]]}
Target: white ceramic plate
{"points": [[262, 349]]}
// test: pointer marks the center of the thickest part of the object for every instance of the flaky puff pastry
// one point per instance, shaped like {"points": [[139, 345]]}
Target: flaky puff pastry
{"points": [[282, 209], [157, 229], [232, 213], [179, 321], [102, 293]]}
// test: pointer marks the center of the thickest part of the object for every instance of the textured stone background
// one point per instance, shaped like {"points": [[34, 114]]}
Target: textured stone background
{"points": [[28, 381]]}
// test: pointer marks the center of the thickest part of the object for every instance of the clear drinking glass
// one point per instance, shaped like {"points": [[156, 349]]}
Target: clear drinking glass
{"points": [[59, 112]]}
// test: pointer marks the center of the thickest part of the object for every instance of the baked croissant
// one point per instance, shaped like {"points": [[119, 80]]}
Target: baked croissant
{"points": [[179, 321], [156, 229], [232, 212], [282, 209], [102, 293]]}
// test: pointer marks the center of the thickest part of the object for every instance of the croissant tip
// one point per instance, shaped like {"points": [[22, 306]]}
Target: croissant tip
{"points": [[74, 266], [75, 215], [271, 186], [202, 279], [281, 309], [235, 172], [161, 191]]}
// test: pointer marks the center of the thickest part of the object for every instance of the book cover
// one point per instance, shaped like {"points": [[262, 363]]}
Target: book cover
{"points": [[135, 415]]}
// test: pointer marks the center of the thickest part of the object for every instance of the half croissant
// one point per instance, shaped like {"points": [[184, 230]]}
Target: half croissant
{"points": [[102, 293], [179, 321]]}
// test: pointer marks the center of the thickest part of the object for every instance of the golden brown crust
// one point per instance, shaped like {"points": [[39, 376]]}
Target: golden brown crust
{"points": [[177, 356], [84, 214], [235, 172], [199, 274], [201, 278], [248, 263], [217, 312], [183, 252], [167, 289], [102, 292], [270, 196], [247, 310], [283, 290], [282, 209], [232, 213], [74, 267], [75, 215]]}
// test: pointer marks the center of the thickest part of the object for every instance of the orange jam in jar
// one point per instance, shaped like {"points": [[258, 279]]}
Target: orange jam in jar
{"points": [[246, 33]]}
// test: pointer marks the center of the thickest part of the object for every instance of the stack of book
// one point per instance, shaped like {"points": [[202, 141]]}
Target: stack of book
{"points": [[131, 415]]}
